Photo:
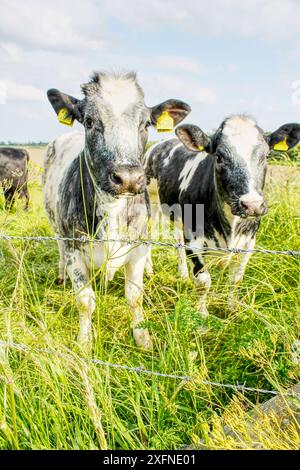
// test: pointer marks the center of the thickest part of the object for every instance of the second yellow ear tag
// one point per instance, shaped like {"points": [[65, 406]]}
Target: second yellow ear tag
{"points": [[201, 147], [64, 117], [282, 146], [165, 123]]}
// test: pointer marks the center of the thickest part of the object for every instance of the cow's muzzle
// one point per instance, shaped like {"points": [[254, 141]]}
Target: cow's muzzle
{"points": [[252, 205], [128, 180]]}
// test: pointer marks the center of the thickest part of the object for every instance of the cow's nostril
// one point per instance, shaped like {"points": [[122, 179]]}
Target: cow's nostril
{"points": [[116, 179], [244, 205]]}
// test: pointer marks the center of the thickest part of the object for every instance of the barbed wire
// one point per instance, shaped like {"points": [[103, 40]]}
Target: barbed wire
{"points": [[141, 370], [85, 239]]}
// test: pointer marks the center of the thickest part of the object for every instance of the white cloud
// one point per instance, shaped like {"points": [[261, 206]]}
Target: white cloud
{"points": [[228, 68], [55, 25], [205, 95], [163, 86], [249, 18], [180, 63], [19, 92]]}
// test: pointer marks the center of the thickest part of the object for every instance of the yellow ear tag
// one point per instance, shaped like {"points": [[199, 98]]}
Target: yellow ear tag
{"points": [[64, 117], [201, 147], [165, 123], [283, 146]]}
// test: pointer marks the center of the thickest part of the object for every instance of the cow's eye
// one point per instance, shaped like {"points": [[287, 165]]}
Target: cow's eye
{"points": [[89, 123], [220, 157]]}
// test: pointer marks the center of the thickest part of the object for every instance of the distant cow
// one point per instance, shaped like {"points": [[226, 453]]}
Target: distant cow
{"points": [[14, 174], [227, 177], [94, 184]]}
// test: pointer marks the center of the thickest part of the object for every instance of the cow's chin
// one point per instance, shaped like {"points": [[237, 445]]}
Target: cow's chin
{"points": [[114, 195], [244, 215], [238, 212], [127, 195]]}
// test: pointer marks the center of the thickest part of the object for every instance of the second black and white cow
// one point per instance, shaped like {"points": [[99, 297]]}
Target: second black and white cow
{"points": [[14, 174], [94, 184], [227, 177]]}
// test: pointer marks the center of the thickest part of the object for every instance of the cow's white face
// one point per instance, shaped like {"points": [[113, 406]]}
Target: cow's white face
{"points": [[241, 163], [240, 149], [116, 122]]}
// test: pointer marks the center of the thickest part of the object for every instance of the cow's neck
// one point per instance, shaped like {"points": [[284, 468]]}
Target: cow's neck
{"points": [[222, 216], [233, 227]]}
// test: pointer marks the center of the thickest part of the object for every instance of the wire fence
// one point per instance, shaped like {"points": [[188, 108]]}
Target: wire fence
{"points": [[141, 370], [207, 250]]}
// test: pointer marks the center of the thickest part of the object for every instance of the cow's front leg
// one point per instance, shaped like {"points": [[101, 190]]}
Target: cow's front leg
{"points": [[85, 296], [202, 281], [182, 262], [237, 269], [24, 193], [61, 262], [134, 270], [149, 263]]}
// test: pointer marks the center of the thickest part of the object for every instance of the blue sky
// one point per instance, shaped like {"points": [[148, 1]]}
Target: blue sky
{"points": [[221, 56]]}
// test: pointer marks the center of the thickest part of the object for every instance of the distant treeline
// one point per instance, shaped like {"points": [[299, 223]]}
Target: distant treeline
{"points": [[22, 144]]}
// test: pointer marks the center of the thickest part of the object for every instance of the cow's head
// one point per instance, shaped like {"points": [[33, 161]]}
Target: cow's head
{"points": [[240, 149], [116, 122]]}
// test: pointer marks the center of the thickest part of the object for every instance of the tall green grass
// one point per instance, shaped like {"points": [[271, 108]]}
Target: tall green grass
{"points": [[60, 402]]}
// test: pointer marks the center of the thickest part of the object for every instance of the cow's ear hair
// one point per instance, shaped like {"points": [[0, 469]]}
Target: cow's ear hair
{"points": [[193, 137], [168, 114], [284, 138], [66, 107]]}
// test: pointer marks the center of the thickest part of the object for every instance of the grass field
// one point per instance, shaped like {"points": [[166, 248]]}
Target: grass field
{"points": [[60, 402]]}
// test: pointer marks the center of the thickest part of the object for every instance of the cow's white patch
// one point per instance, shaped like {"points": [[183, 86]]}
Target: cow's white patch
{"points": [[189, 169], [148, 154], [118, 93], [169, 157], [243, 135]]}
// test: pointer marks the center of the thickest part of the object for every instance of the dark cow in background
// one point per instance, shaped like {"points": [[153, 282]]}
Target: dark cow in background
{"points": [[14, 174], [227, 177], [94, 184]]}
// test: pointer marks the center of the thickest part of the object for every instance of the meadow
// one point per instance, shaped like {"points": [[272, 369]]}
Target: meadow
{"points": [[59, 401]]}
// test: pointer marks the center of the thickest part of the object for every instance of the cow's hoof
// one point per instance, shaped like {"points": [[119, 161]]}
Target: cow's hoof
{"points": [[233, 302], [202, 311], [142, 339], [183, 273], [59, 281], [149, 269], [84, 342]]}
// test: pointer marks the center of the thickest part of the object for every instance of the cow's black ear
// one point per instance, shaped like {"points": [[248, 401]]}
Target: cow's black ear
{"points": [[193, 137], [66, 107], [285, 138], [168, 114]]}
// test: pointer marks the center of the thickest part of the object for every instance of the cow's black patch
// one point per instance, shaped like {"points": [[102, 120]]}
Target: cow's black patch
{"points": [[77, 204]]}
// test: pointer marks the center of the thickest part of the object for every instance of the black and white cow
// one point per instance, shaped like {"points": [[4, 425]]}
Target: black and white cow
{"points": [[14, 174], [94, 184], [227, 177]]}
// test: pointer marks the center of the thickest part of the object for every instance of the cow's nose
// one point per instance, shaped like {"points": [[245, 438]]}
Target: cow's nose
{"points": [[253, 206], [128, 180]]}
